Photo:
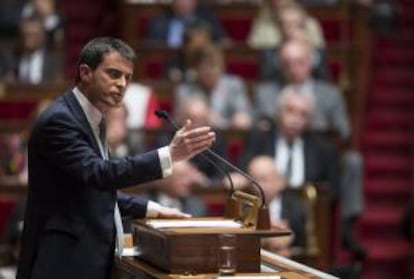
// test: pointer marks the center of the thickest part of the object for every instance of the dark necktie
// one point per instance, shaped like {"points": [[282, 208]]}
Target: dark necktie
{"points": [[117, 215], [102, 137]]}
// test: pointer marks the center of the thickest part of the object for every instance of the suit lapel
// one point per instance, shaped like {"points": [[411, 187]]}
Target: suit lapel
{"points": [[79, 114]]}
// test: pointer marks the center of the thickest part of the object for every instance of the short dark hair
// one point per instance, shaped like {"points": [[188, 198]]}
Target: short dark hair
{"points": [[93, 52]]}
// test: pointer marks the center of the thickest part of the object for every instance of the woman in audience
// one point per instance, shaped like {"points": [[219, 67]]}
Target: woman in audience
{"points": [[225, 93], [52, 21], [266, 33], [292, 22]]}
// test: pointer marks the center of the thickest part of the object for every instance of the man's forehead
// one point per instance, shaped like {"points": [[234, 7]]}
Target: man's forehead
{"points": [[114, 57]]}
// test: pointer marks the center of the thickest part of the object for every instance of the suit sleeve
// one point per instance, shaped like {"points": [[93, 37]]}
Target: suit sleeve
{"points": [[66, 145], [339, 115], [132, 205], [332, 170]]}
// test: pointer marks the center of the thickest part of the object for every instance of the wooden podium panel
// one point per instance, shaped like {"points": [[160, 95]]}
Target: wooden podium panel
{"points": [[195, 250]]}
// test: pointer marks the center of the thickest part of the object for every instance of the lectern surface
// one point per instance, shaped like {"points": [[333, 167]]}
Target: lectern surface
{"points": [[131, 268]]}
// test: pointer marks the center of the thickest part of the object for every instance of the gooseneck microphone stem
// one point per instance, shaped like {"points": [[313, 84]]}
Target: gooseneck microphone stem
{"points": [[165, 115]]}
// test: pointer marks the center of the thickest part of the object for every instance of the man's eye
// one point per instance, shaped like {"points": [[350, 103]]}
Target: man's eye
{"points": [[114, 74]]}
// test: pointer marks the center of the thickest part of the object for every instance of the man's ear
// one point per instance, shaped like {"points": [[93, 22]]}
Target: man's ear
{"points": [[85, 73]]}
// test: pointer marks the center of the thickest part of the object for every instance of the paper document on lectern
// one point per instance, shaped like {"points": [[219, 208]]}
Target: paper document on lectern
{"points": [[163, 224]]}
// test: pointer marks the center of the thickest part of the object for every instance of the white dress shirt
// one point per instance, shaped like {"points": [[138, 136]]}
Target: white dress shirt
{"points": [[297, 177], [94, 117], [275, 209], [31, 67]]}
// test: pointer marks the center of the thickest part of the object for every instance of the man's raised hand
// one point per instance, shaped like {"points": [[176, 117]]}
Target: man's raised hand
{"points": [[189, 141]]}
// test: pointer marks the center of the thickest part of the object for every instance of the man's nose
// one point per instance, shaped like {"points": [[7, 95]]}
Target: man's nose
{"points": [[122, 82]]}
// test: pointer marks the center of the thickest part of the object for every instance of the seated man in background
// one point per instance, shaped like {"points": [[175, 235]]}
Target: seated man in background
{"points": [[176, 190], [225, 93], [292, 22], [300, 156], [285, 209], [169, 27], [329, 113], [33, 62]]}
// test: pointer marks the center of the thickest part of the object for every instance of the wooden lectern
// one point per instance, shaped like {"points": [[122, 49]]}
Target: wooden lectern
{"points": [[191, 246]]}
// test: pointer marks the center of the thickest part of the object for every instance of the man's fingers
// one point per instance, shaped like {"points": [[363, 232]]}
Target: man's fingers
{"points": [[210, 136], [187, 126], [200, 144], [199, 149], [173, 213], [194, 133]]}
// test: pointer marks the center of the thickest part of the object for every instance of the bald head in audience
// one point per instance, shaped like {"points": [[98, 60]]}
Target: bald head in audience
{"points": [[181, 183], [263, 169], [294, 112], [197, 110], [296, 59], [184, 8]]}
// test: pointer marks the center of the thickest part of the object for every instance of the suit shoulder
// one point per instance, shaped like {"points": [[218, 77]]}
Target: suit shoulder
{"points": [[327, 86], [268, 85], [57, 110]]}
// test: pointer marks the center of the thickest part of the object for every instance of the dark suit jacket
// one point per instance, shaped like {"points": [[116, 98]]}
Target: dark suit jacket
{"points": [[294, 212], [321, 163], [159, 27], [69, 222]]}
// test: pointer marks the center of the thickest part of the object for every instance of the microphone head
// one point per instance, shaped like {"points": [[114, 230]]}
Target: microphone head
{"points": [[160, 113]]}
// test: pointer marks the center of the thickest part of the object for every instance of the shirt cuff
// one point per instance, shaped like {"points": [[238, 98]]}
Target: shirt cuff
{"points": [[153, 209], [165, 160]]}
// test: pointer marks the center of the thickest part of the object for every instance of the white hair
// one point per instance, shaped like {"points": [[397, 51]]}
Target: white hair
{"points": [[298, 91]]}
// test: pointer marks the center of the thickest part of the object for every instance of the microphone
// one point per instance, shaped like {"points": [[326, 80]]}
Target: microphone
{"points": [[166, 116]]}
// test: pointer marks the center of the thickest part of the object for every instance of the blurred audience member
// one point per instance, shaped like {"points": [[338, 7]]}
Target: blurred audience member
{"points": [[176, 190], [33, 62], [292, 21], [52, 21], [196, 36], [285, 209], [12, 155], [140, 103], [329, 113], [225, 93], [169, 27], [300, 156], [117, 131], [266, 33]]}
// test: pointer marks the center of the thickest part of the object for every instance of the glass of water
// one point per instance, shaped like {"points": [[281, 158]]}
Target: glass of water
{"points": [[227, 254]]}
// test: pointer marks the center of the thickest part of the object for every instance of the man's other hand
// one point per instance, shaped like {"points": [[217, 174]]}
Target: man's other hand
{"points": [[189, 141], [169, 213]]}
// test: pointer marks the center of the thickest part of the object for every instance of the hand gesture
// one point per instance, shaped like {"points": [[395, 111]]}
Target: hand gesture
{"points": [[189, 141]]}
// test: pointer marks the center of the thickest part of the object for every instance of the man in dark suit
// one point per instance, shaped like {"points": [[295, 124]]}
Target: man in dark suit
{"points": [[329, 114], [33, 62], [299, 155], [285, 210], [169, 27], [72, 222]]}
